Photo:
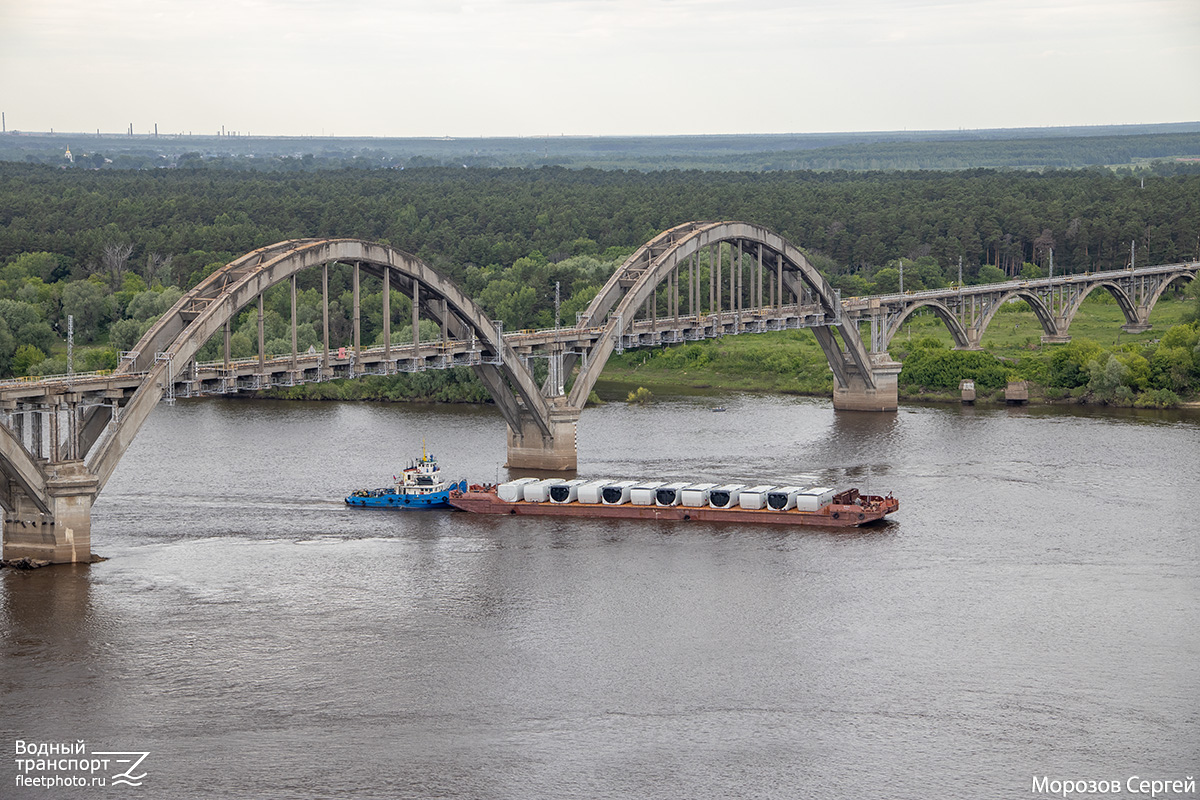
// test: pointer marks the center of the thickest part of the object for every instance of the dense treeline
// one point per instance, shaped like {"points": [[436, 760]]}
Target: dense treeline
{"points": [[457, 218]]}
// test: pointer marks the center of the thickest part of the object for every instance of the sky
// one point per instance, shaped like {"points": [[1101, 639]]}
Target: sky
{"points": [[593, 67]]}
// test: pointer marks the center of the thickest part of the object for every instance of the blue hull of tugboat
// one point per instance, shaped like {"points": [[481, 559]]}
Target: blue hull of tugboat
{"points": [[412, 502]]}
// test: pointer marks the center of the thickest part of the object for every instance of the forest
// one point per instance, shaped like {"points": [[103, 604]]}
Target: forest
{"points": [[114, 248]]}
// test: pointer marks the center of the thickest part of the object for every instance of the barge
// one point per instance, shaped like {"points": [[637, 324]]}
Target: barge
{"points": [[681, 502]]}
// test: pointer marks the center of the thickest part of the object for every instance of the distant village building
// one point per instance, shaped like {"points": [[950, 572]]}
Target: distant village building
{"points": [[68, 156]]}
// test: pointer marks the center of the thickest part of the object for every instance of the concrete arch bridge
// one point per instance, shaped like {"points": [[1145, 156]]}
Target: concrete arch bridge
{"points": [[967, 311], [61, 437]]}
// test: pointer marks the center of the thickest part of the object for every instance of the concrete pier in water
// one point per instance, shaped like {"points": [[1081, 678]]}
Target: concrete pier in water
{"points": [[531, 448], [61, 534]]}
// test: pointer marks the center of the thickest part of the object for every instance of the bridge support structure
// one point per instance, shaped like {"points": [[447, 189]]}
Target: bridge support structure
{"points": [[532, 447], [59, 528], [855, 392]]}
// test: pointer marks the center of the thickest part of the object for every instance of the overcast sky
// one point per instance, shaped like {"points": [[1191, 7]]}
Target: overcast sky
{"points": [[602, 67]]}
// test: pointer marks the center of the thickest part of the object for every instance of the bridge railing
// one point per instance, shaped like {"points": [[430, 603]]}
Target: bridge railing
{"points": [[65, 379]]}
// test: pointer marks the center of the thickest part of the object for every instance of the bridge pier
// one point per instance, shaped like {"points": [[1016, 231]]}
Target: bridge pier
{"points": [[1136, 327], [856, 395], [530, 448], [63, 534]]}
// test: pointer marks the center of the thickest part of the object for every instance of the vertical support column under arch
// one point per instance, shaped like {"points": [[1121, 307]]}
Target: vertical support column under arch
{"points": [[357, 320], [262, 348], [294, 338], [387, 317], [416, 310], [325, 371]]}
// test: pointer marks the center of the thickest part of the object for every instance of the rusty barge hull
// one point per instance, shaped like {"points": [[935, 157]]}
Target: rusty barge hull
{"points": [[832, 516]]}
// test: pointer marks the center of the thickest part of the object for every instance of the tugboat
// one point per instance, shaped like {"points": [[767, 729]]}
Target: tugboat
{"points": [[419, 486]]}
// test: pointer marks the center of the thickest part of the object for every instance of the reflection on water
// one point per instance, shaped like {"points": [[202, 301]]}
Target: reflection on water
{"points": [[1030, 611]]}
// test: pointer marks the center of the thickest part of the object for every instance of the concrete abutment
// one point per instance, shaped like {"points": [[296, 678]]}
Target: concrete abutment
{"points": [[531, 448], [858, 396], [63, 533]]}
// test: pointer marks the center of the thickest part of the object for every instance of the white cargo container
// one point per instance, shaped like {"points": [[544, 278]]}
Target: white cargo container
{"points": [[782, 498], [590, 491], [514, 491], [566, 491], [670, 494], [617, 492], [539, 491], [725, 496], [642, 494], [755, 497], [814, 498], [696, 495]]}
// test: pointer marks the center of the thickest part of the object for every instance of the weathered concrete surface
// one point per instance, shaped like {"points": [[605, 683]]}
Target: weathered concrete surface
{"points": [[530, 448], [856, 395], [64, 534]]}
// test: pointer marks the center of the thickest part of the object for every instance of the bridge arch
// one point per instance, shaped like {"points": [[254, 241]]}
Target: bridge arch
{"points": [[1157, 293], [1124, 302], [952, 323], [1040, 310], [615, 307], [202, 312]]}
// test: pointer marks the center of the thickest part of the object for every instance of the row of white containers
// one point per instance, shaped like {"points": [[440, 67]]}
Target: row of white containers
{"points": [[695, 495]]}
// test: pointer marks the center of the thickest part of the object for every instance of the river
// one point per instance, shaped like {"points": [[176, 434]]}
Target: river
{"points": [[1031, 612]]}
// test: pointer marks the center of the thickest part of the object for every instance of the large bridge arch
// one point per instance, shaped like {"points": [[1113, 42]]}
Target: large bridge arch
{"points": [[860, 382], [203, 311]]}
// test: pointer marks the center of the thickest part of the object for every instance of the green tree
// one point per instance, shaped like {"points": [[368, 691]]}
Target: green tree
{"points": [[887, 281], [990, 274], [24, 322], [90, 304], [46, 266], [1107, 381], [26, 357]]}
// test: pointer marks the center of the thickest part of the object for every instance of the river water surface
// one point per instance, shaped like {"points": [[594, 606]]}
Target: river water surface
{"points": [[1031, 611]]}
